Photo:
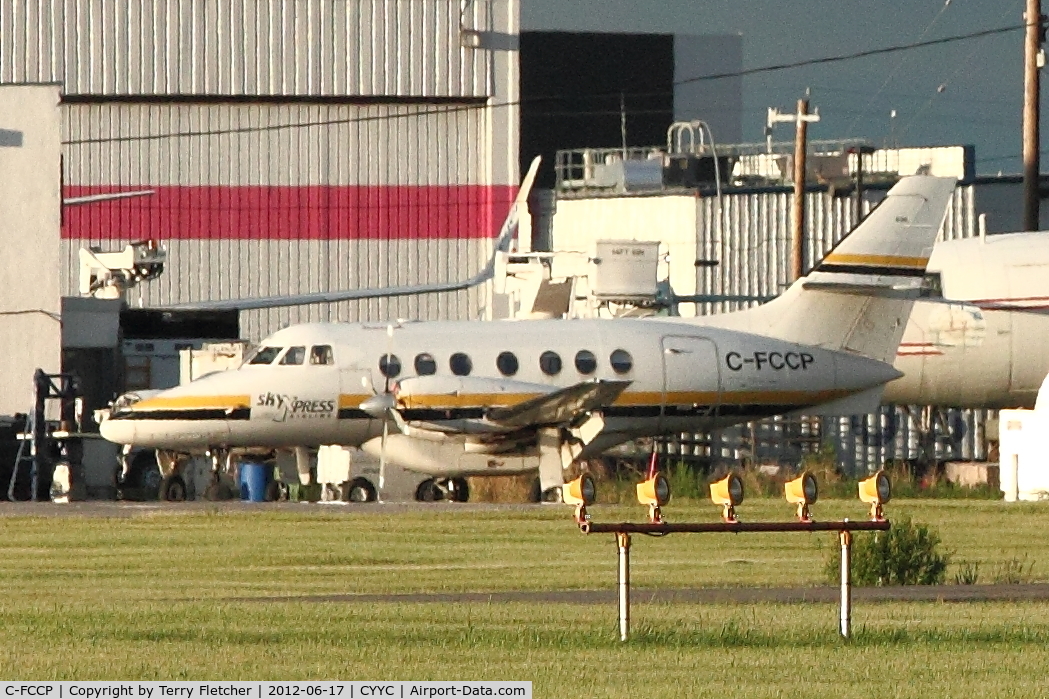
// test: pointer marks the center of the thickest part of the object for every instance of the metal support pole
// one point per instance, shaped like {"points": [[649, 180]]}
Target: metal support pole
{"points": [[798, 208], [623, 540], [1031, 138], [39, 444], [845, 628]]}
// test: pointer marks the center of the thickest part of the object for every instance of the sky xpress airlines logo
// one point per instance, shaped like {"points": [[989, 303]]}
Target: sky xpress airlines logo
{"points": [[294, 408]]}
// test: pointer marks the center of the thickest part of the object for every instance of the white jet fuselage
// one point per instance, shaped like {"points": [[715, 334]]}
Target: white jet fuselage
{"points": [[977, 352]]}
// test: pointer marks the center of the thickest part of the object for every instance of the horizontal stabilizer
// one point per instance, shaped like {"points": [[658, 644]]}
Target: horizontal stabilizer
{"points": [[876, 290], [560, 407]]}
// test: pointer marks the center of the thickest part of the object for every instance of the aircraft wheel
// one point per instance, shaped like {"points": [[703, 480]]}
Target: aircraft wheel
{"points": [[217, 492], [361, 490], [172, 489], [552, 495], [536, 493], [459, 489], [428, 491], [274, 491], [143, 479]]}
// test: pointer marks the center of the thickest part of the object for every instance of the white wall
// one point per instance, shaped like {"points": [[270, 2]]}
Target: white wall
{"points": [[30, 217]]}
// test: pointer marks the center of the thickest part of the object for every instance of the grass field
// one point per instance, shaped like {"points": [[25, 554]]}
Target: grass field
{"points": [[148, 597]]}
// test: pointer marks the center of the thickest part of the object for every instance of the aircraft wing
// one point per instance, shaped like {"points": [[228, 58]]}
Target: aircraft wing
{"points": [[559, 407], [502, 245], [109, 196]]}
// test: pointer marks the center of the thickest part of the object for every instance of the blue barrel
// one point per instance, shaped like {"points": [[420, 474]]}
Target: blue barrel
{"points": [[253, 479]]}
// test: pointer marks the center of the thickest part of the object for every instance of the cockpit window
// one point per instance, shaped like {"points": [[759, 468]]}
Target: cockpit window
{"points": [[294, 356], [321, 354], [265, 355], [932, 286]]}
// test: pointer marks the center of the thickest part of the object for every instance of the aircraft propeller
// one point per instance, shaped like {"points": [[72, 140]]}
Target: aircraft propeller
{"points": [[383, 406]]}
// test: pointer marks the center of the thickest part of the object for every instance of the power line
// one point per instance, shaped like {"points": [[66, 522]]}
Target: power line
{"points": [[943, 85], [516, 103], [900, 64]]}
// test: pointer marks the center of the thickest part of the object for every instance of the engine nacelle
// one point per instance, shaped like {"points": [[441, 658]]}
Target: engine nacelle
{"points": [[450, 459]]}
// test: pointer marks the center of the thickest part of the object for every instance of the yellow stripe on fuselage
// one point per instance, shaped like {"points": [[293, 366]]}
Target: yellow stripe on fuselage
{"points": [[876, 260], [627, 399], [348, 400], [640, 398], [193, 403]]}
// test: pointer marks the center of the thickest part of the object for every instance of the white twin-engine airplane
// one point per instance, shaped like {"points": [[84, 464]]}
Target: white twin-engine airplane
{"points": [[453, 399]]}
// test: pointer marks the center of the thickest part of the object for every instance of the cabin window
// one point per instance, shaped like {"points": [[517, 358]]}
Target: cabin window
{"points": [[294, 356], [621, 361], [460, 364], [321, 354], [425, 364], [265, 355], [585, 362], [932, 286], [506, 363], [389, 365], [550, 363]]}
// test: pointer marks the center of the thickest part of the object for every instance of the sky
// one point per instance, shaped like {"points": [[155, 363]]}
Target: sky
{"points": [[962, 93]]}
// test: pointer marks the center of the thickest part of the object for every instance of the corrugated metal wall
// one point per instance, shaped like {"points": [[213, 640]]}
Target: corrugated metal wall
{"points": [[247, 47], [749, 235], [419, 208]]}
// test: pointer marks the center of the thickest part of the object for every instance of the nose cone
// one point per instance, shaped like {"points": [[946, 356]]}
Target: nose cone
{"points": [[118, 431]]}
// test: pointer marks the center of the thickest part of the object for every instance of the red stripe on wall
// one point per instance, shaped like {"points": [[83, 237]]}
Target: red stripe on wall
{"points": [[290, 213]]}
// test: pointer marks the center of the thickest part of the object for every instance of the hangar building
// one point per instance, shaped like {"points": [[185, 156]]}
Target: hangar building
{"points": [[291, 146]]}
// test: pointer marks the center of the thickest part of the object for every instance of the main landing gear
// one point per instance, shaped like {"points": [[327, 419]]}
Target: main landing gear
{"points": [[537, 494], [434, 489]]}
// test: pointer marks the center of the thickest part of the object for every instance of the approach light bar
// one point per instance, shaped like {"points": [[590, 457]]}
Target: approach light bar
{"points": [[654, 492], [728, 492], [803, 491], [580, 492], [877, 490]]}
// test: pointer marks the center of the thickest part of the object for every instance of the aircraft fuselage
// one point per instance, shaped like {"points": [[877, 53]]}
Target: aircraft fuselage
{"points": [[682, 377]]}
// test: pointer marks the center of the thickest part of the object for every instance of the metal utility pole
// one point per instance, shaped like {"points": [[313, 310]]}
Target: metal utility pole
{"points": [[1033, 59]]}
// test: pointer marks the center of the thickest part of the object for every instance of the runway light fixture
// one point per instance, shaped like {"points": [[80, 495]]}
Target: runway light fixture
{"points": [[803, 491], [728, 492], [580, 492], [877, 490], [654, 492]]}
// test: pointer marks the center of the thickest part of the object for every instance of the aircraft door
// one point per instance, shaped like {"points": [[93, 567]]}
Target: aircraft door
{"points": [[691, 382]]}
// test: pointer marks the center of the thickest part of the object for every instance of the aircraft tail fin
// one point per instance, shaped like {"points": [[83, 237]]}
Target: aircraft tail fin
{"points": [[858, 298]]}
